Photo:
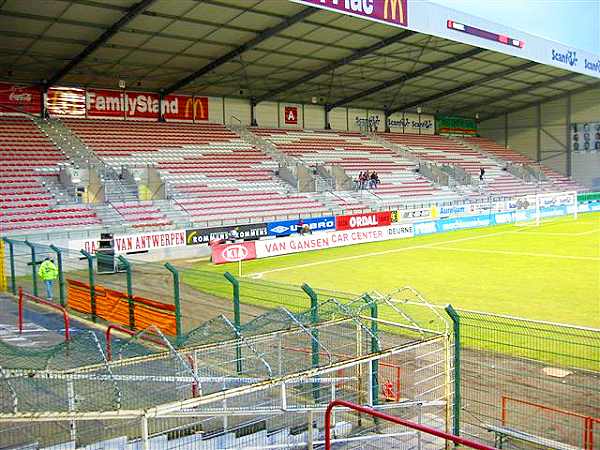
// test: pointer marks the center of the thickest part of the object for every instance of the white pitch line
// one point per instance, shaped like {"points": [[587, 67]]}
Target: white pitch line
{"points": [[507, 252], [368, 255], [547, 233]]}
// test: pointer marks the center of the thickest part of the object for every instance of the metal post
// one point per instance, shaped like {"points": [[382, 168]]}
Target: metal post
{"points": [[310, 438], [569, 161], [61, 275], [90, 260], [387, 115], [33, 270], [314, 319], [145, 440], [72, 408], [11, 252], [457, 397], [327, 123], [177, 301], [129, 280], [374, 349], [236, 316], [253, 122]]}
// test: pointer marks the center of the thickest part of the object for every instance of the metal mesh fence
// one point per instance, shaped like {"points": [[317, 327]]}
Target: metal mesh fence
{"points": [[520, 376]]}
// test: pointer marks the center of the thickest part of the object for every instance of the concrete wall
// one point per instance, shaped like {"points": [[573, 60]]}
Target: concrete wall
{"points": [[543, 133]]}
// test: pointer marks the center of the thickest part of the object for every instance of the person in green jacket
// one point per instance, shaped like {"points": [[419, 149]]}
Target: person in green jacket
{"points": [[48, 272]]}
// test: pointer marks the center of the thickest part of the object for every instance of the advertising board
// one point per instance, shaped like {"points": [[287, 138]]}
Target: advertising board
{"points": [[287, 227], [367, 220], [226, 253], [199, 236]]}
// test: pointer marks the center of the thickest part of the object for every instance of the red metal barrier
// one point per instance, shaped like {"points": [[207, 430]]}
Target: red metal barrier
{"points": [[587, 422], [407, 423], [130, 333], [24, 295]]}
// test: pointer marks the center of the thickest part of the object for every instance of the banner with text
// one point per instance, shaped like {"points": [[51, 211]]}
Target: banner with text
{"points": [[19, 99], [456, 125], [207, 235], [135, 242], [355, 221], [287, 227], [226, 253]]}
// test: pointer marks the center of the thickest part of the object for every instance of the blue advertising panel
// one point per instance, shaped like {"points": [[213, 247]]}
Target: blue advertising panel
{"points": [[287, 227]]}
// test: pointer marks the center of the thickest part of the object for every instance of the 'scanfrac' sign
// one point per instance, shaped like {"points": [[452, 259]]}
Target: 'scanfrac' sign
{"points": [[227, 253], [355, 221], [291, 115]]}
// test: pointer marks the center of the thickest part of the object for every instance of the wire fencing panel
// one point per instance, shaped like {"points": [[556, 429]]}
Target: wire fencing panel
{"points": [[539, 378]]}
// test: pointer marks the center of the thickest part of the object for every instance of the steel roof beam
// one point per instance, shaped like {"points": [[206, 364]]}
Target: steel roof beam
{"points": [[334, 65], [538, 85], [544, 100], [407, 76], [462, 87], [262, 36], [129, 15]]}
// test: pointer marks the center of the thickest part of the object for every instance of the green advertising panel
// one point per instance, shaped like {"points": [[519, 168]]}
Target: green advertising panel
{"points": [[456, 125]]}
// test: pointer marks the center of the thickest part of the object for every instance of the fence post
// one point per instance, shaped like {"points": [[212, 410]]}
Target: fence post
{"points": [[314, 319], [61, 275], [128, 278], [374, 347], [33, 270], [457, 397], [177, 300], [236, 315], [90, 260], [11, 252]]}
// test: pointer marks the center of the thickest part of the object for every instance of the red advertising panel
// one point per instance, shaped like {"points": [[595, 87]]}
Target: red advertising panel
{"points": [[291, 115], [65, 101], [375, 219], [14, 99], [185, 108], [141, 105], [226, 253], [104, 103]]}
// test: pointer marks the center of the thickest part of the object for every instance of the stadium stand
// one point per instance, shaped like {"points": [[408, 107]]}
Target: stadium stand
{"points": [[213, 174], [559, 181], [454, 152], [355, 152], [28, 162]]}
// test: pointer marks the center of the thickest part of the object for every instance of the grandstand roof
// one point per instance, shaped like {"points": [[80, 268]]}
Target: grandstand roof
{"points": [[266, 49]]}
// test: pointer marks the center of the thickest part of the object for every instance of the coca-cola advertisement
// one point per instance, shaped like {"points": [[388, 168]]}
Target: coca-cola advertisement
{"points": [[16, 99]]}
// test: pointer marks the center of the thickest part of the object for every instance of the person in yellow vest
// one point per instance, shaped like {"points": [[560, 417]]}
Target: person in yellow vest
{"points": [[48, 272]]}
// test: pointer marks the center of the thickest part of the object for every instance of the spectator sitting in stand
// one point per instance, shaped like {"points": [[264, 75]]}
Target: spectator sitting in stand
{"points": [[359, 180], [374, 180]]}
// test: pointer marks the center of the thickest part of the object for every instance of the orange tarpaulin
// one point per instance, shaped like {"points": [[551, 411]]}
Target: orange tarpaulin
{"points": [[113, 306]]}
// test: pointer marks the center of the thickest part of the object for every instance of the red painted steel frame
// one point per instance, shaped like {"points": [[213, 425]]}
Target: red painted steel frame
{"points": [[126, 331], [397, 420], [23, 295], [588, 421]]}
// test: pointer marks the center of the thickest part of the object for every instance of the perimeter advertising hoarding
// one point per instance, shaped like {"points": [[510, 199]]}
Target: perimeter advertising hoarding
{"points": [[367, 220], [226, 253], [287, 227], [206, 235], [297, 244], [135, 242]]}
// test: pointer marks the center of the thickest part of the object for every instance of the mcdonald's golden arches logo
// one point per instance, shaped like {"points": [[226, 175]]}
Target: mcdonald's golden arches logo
{"points": [[396, 9], [198, 106]]}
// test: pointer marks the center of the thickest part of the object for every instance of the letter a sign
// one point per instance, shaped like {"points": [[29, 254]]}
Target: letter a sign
{"points": [[291, 115]]}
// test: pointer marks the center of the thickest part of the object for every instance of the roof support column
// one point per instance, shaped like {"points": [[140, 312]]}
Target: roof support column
{"points": [[253, 122], [327, 108], [569, 162], [161, 115], [386, 114]]}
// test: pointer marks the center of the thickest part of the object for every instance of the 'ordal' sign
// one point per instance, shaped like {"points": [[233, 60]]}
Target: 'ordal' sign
{"points": [[355, 221], [393, 12]]}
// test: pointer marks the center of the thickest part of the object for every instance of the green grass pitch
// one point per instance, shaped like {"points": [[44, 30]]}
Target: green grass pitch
{"points": [[550, 272]]}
